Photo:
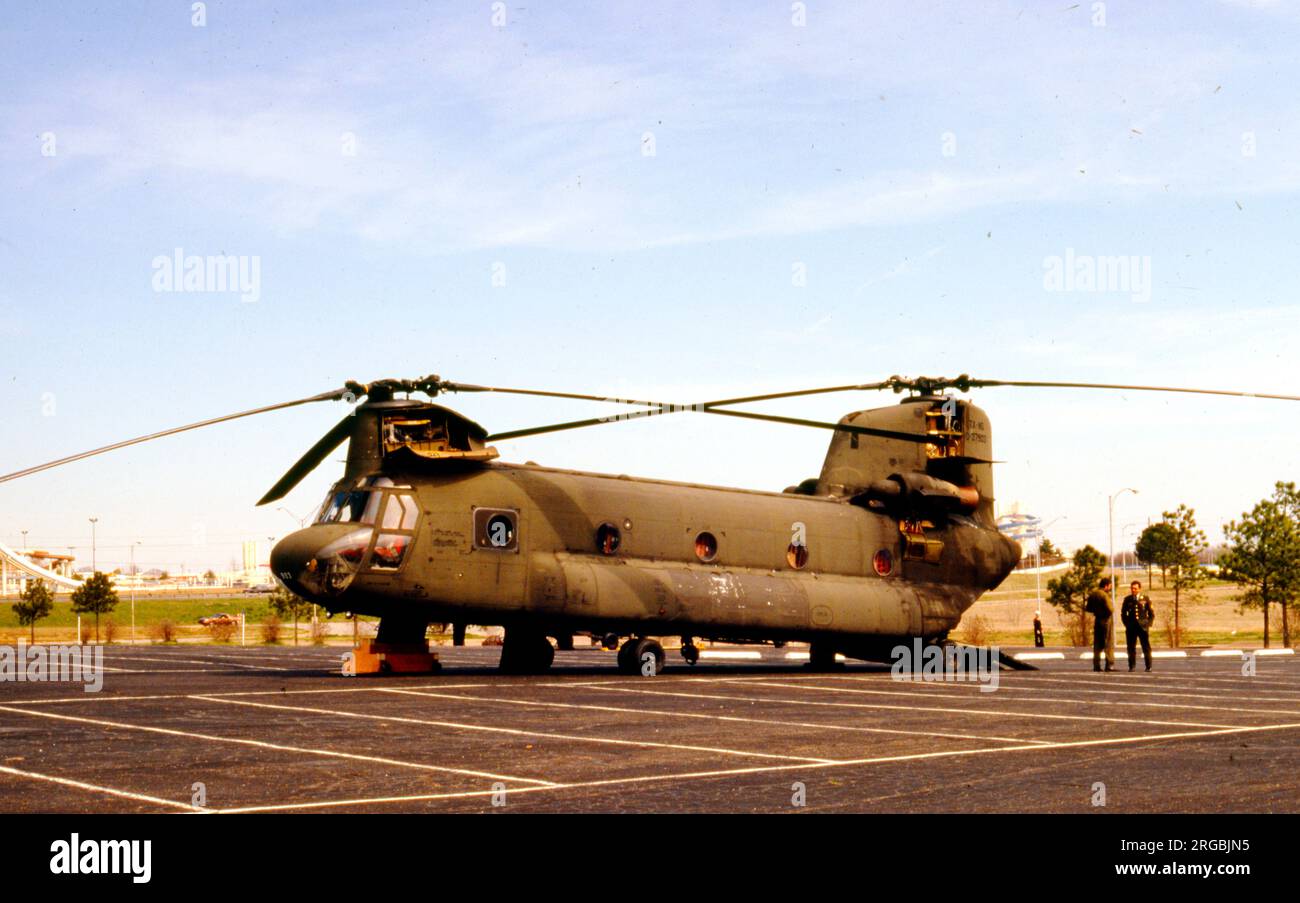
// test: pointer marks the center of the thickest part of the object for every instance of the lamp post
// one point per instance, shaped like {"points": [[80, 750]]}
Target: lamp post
{"points": [[94, 566], [1110, 501], [24, 532], [301, 520]]}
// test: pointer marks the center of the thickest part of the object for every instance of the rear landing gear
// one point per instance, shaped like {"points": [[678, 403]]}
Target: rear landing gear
{"points": [[690, 651], [641, 656], [821, 657], [526, 652]]}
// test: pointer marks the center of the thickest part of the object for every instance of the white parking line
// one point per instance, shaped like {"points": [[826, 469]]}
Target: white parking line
{"points": [[98, 788], [1055, 699], [92, 697], [712, 717], [1128, 688], [844, 763], [1155, 653], [912, 708], [518, 732], [240, 741]]}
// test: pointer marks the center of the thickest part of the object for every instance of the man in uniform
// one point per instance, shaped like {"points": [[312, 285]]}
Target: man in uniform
{"points": [[1098, 605], [1137, 615]]}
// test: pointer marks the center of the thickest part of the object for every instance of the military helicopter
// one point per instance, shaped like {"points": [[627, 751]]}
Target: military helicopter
{"points": [[893, 541]]}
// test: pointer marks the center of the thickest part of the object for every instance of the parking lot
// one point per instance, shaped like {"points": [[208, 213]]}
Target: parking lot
{"points": [[229, 729]]}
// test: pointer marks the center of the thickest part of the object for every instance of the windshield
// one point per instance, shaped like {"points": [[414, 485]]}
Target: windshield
{"points": [[349, 506]]}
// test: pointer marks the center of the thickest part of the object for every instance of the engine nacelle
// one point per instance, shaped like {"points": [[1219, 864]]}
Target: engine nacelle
{"points": [[919, 493]]}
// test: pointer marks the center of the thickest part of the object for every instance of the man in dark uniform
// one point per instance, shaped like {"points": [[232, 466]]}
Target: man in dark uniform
{"points": [[1098, 605], [1137, 615]]}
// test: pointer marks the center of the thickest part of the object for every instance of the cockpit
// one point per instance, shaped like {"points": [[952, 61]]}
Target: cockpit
{"points": [[368, 526]]}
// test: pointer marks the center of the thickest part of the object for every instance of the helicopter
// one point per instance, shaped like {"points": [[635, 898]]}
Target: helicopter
{"points": [[892, 542]]}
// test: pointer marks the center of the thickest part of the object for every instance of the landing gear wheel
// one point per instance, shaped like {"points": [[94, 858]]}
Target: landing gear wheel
{"points": [[526, 653], [691, 653], [821, 657], [609, 641], [632, 658]]}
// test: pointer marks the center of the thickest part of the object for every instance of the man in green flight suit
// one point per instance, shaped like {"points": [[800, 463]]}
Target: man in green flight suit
{"points": [[1098, 605]]}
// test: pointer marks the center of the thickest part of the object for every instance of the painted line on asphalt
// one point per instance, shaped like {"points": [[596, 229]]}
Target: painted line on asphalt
{"points": [[518, 732], [278, 747]]}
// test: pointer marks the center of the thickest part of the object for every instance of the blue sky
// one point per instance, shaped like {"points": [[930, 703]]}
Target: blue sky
{"points": [[918, 163]]}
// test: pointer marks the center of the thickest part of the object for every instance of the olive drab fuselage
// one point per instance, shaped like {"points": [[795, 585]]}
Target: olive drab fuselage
{"points": [[560, 551]]}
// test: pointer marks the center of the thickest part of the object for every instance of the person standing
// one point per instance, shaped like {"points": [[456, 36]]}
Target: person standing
{"points": [[1137, 615], [1098, 605]]}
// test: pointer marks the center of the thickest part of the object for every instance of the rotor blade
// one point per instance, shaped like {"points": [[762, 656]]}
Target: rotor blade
{"points": [[464, 387], [574, 425], [1033, 384], [325, 396], [919, 438], [310, 461], [867, 387]]}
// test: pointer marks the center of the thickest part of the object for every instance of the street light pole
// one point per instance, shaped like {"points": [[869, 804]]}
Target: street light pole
{"points": [[94, 565], [1110, 501]]}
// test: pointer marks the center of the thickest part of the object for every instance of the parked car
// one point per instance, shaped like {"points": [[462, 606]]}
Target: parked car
{"points": [[261, 588], [220, 618]]}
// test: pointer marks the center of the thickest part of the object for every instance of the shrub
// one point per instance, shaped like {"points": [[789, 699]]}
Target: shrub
{"points": [[975, 630], [221, 632], [165, 631], [110, 630], [271, 630]]}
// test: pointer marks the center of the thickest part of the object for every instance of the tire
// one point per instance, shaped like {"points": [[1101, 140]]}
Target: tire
{"points": [[642, 648]]}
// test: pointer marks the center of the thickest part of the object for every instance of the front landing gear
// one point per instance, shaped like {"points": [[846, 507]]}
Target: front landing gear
{"points": [[526, 652], [690, 651], [641, 656], [399, 648]]}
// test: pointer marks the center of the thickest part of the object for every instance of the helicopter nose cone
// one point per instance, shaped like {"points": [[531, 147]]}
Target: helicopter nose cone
{"points": [[320, 561]]}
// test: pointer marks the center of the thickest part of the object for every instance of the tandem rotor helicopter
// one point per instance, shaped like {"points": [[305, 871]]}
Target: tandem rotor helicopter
{"points": [[893, 541]]}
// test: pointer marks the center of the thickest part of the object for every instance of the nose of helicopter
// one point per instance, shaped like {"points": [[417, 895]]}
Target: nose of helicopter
{"points": [[321, 560]]}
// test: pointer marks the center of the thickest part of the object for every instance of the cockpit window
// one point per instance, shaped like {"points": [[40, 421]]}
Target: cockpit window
{"points": [[346, 507], [401, 513]]}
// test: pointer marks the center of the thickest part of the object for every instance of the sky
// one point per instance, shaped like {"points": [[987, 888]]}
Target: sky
{"points": [[672, 200]]}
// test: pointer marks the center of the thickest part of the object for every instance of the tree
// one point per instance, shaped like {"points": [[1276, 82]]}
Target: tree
{"points": [[1154, 548], [1047, 549], [210, 577], [1263, 556], [34, 603], [1183, 563], [1069, 592], [96, 596], [288, 606]]}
